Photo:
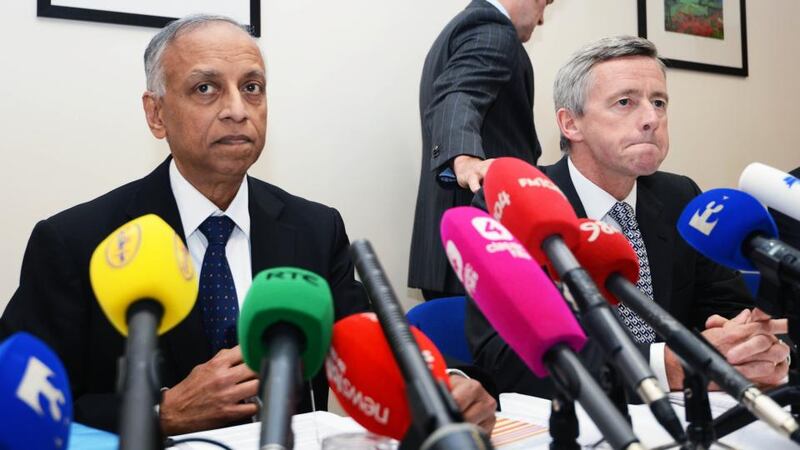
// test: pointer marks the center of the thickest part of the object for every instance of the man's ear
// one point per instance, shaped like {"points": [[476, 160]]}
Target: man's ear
{"points": [[152, 111], [567, 123]]}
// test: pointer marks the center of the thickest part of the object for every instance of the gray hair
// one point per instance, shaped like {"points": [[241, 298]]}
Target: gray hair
{"points": [[153, 70], [572, 80]]}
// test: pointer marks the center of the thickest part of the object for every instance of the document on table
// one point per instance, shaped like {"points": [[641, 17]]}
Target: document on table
{"points": [[311, 428]]}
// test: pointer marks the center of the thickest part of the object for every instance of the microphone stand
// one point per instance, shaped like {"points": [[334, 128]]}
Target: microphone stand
{"points": [[563, 423], [139, 378], [611, 382], [700, 430]]}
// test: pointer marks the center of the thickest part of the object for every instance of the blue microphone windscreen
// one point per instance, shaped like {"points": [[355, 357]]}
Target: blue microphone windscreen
{"points": [[718, 222], [35, 397]]}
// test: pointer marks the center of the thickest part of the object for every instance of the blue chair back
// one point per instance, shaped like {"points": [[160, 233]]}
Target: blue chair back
{"points": [[442, 320], [752, 280]]}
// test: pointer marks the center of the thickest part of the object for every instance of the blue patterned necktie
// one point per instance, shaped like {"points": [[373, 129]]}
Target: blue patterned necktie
{"points": [[217, 295], [623, 213]]}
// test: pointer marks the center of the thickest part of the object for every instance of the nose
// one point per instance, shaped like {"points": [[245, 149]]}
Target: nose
{"points": [[650, 117], [234, 107]]}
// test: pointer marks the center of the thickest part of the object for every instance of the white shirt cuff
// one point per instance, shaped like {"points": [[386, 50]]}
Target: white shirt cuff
{"points": [[458, 372], [658, 365]]}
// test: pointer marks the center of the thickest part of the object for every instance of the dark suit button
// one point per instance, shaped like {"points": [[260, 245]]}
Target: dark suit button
{"points": [[435, 151]]}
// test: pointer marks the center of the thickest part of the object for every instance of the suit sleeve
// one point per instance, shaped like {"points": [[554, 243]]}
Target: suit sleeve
{"points": [[348, 294], [51, 303], [481, 62]]}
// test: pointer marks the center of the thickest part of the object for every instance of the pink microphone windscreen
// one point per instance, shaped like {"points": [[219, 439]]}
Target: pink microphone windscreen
{"points": [[509, 287]]}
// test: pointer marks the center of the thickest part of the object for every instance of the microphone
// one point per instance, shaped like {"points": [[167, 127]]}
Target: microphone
{"points": [[436, 421], [609, 257], [35, 396], [772, 187], [144, 280], [733, 229], [527, 311], [284, 329], [532, 207], [364, 376]]}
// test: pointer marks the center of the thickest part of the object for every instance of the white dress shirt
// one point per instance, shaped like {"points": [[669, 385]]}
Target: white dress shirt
{"points": [[499, 7], [598, 204], [194, 208]]}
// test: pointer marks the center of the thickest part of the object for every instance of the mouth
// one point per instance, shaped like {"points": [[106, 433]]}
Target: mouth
{"points": [[636, 144], [234, 139]]}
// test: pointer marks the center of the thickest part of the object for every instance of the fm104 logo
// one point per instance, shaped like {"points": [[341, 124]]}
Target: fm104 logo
{"points": [[540, 182]]}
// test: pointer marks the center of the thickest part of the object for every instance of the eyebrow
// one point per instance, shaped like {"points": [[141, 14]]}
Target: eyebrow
{"points": [[212, 74], [204, 73], [255, 73], [626, 92]]}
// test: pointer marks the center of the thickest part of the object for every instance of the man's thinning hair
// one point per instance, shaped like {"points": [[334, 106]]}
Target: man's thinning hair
{"points": [[153, 69], [573, 78]]}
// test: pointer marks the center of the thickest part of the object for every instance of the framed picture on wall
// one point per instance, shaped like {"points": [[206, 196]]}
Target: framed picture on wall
{"points": [[151, 13], [705, 35]]}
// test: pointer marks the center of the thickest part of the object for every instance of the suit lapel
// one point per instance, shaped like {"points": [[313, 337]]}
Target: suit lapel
{"points": [[659, 238], [272, 242], [559, 173], [185, 344]]}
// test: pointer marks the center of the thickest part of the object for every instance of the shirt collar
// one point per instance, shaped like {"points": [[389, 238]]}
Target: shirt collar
{"points": [[596, 201], [194, 207], [499, 7]]}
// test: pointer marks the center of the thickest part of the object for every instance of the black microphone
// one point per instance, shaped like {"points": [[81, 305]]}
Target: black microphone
{"points": [[532, 207], [734, 229], [284, 332], [144, 281], [437, 422], [607, 254]]}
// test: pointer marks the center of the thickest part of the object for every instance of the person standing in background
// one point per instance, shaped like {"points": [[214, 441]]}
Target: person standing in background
{"points": [[476, 104]]}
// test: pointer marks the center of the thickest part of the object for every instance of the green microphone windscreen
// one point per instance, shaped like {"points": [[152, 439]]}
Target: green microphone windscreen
{"points": [[294, 296]]}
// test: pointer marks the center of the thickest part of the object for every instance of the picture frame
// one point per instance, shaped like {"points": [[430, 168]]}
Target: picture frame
{"points": [[703, 35], [151, 13]]}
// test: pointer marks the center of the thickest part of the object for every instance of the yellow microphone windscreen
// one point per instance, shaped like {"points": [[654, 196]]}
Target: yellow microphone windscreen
{"points": [[143, 259]]}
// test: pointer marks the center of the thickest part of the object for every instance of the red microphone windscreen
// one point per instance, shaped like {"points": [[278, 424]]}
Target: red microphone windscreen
{"points": [[529, 204], [365, 378], [509, 287], [602, 251]]}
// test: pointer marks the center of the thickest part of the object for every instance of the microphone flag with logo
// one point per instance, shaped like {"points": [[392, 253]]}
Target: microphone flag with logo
{"points": [[523, 199], [510, 289], [284, 332], [145, 282], [143, 259], [365, 378], [718, 222], [35, 396], [291, 295], [777, 189]]}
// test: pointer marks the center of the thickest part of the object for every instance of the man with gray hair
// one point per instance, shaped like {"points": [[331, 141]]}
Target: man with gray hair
{"points": [[206, 95], [611, 107]]}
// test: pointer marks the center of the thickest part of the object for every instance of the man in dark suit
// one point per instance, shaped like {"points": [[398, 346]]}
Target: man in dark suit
{"points": [[476, 103], [206, 95], [611, 101]]}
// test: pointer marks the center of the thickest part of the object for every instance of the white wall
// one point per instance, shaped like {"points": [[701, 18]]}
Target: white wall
{"points": [[343, 125]]}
